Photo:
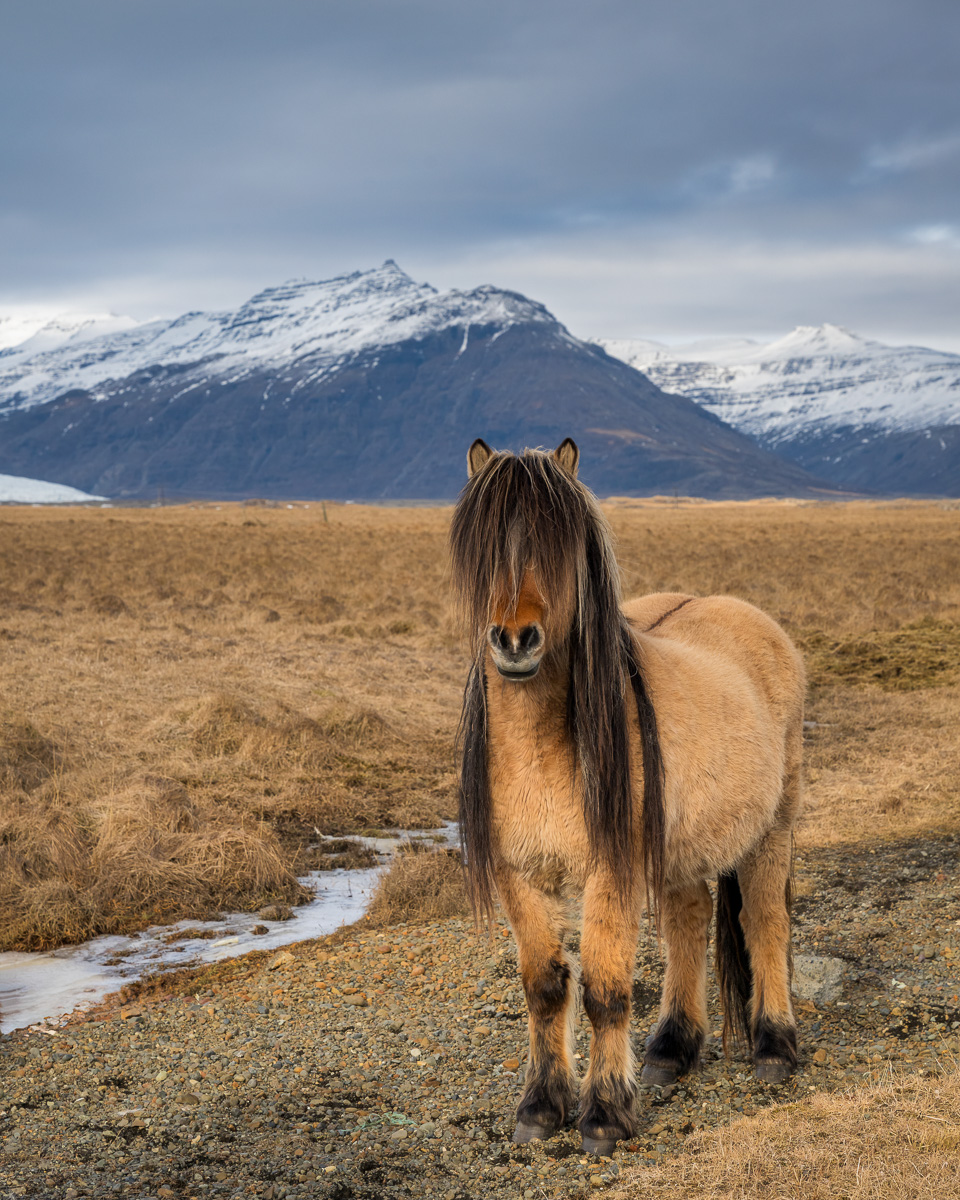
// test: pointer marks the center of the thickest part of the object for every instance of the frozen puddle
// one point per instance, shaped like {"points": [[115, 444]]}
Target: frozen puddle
{"points": [[36, 988]]}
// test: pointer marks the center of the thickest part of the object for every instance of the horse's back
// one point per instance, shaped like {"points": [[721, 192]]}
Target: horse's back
{"points": [[738, 637]]}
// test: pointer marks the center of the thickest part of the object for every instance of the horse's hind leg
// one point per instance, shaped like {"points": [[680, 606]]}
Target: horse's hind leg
{"points": [[764, 878], [607, 954], [674, 1046], [539, 923]]}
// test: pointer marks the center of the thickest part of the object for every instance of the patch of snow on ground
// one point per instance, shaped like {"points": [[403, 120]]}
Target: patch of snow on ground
{"points": [[17, 489]]}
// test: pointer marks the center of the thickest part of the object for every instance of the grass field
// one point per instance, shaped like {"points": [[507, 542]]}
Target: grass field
{"points": [[190, 694]]}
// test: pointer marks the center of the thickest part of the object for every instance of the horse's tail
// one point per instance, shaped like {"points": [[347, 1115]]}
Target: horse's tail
{"points": [[733, 962]]}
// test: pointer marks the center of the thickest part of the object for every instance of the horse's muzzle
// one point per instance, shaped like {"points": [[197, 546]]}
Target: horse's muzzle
{"points": [[517, 653], [517, 675]]}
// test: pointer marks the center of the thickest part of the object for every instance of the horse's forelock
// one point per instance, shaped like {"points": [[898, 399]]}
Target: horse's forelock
{"points": [[519, 512]]}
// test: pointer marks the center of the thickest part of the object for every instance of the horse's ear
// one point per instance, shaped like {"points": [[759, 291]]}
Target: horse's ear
{"points": [[568, 456], [477, 455]]}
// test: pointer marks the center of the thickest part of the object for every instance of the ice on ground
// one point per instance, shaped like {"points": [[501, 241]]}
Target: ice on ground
{"points": [[38, 988]]}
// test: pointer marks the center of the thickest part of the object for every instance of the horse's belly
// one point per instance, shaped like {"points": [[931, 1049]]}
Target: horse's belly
{"points": [[720, 804]]}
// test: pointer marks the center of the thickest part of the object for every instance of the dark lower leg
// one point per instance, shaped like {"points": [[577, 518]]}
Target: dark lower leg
{"points": [[538, 922], [608, 950], [766, 928], [549, 1091], [674, 1045]]}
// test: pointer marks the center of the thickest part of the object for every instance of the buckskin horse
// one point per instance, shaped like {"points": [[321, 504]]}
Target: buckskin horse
{"points": [[623, 755]]}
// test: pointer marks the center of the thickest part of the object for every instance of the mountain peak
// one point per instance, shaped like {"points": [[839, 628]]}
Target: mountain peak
{"points": [[817, 339], [327, 321]]}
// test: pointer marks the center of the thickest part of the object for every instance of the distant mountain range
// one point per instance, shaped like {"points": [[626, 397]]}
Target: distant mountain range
{"points": [[864, 415], [368, 386]]}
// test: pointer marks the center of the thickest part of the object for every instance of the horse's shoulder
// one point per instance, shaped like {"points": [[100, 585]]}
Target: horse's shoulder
{"points": [[644, 611]]}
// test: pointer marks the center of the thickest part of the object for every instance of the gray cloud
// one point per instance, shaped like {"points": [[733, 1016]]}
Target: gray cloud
{"points": [[164, 156]]}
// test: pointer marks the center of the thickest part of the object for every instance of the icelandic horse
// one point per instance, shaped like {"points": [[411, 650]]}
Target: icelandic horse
{"points": [[624, 755]]}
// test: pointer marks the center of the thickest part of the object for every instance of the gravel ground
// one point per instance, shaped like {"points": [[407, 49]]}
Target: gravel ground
{"points": [[387, 1062]]}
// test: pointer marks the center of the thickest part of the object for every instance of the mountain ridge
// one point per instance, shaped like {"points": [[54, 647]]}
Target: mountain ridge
{"points": [[367, 386], [818, 395]]}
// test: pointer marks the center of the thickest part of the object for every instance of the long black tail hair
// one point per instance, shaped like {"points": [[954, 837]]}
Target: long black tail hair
{"points": [[528, 511]]}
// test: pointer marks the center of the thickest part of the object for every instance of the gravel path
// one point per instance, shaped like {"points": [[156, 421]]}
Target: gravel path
{"points": [[386, 1062]]}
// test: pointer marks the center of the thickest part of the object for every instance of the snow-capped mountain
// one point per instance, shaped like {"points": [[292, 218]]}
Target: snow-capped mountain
{"points": [[23, 335], [328, 322], [848, 408], [369, 385], [15, 489]]}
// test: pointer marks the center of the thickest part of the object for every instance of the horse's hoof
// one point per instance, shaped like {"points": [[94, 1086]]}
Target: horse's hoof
{"points": [[603, 1147], [526, 1132], [774, 1071], [652, 1076]]}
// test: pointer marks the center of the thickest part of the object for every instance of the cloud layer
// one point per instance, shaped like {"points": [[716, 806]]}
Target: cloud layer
{"points": [[644, 169]]}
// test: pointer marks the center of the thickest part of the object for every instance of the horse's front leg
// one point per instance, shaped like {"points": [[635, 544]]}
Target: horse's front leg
{"points": [[607, 953], [539, 923]]}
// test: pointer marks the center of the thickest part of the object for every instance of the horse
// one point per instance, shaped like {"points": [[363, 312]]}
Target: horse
{"points": [[622, 755]]}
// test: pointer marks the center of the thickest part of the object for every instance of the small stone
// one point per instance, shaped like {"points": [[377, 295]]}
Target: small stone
{"points": [[134, 1010], [358, 999], [820, 1056], [818, 978], [281, 960], [511, 1064], [259, 929]]}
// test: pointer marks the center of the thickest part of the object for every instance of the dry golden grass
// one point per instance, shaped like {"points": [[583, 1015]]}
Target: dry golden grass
{"points": [[419, 885], [189, 693], [898, 1140]]}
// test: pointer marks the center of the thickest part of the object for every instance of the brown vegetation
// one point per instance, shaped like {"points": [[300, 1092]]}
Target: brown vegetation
{"points": [[420, 885], [898, 1140], [188, 694]]}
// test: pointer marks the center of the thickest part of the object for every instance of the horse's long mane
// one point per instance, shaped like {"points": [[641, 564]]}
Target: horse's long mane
{"points": [[527, 511]]}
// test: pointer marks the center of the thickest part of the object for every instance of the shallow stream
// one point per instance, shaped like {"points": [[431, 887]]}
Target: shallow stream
{"points": [[41, 988]]}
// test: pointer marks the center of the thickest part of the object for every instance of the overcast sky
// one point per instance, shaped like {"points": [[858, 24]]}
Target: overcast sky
{"points": [[651, 168]]}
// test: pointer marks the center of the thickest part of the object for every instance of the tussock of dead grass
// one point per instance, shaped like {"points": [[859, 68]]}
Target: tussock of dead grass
{"points": [[143, 855], [919, 655], [419, 885], [27, 758], [880, 761], [899, 1140]]}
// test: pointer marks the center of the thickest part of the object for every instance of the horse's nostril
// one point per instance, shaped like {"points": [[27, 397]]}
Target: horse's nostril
{"points": [[530, 638], [498, 638]]}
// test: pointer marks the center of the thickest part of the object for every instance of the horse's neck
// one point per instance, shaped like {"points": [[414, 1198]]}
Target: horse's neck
{"points": [[534, 712]]}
